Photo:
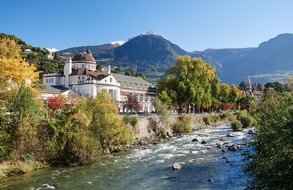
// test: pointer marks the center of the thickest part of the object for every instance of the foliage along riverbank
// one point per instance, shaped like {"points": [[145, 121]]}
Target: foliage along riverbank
{"points": [[145, 129]]}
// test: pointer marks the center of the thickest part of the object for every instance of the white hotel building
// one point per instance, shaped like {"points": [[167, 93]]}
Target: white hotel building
{"points": [[80, 76]]}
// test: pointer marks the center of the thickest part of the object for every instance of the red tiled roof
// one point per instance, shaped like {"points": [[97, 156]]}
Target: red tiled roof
{"points": [[84, 71], [84, 57]]}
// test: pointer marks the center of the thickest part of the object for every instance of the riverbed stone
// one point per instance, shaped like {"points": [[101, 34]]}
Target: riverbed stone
{"points": [[203, 142], [230, 135], [176, 166], [169, 134], [194, 140], [233, 148], [210, 180], [251, 132]]}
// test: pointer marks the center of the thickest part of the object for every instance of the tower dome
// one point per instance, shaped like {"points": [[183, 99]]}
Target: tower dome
{"points": [[84, 57]]}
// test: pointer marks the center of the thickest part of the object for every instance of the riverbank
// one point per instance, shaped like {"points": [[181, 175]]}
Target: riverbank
{"points": [[209, 165], [149, 130], [149, 127]]}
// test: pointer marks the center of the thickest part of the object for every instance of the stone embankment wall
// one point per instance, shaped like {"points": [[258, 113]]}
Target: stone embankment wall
{"points": [[150, 126]]}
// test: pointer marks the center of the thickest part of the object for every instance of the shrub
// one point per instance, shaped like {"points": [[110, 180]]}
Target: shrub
{"points": [[225, 114], [236, 125], [133, 121], [203, 107], [241, 113], [227, 106], [183, 124], [211, 119], [215, 106], [246, 120], [232, 117]]}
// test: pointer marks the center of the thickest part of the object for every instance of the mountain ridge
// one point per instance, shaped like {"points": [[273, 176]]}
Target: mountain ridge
{"points": [[152, 54]]}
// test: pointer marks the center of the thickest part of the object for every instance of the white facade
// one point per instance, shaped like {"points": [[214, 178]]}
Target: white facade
{"points": [[81, 77]]}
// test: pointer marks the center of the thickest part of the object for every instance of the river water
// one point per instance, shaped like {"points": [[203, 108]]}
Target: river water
{"points": [[204, 166]]}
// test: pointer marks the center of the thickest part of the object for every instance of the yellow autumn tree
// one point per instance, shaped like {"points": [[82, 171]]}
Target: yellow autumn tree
{"points": [[9, 48], [13, 69]]}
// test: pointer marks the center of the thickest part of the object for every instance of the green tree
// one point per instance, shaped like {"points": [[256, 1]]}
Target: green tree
{"points": [[26, 115], [71, 141], [272, 160], [141, 75], [242, 86], [235, 94], [224, 92], [106, 124], [189, 80]]}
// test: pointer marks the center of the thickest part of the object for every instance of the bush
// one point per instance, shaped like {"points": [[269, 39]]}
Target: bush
{"points": [[227, 106], [133, 121], [241, 113], [225, 114], [246, 120], [183, 124], [232, 117], [236, 125], [211, 119]]}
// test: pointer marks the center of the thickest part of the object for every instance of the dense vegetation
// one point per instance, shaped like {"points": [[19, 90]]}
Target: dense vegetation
{"points": [[35, 55], [272, 163], [192, 83], [60, 131]]}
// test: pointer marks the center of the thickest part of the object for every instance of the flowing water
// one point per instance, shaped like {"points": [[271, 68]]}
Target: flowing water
{"points": [[150, 167]]}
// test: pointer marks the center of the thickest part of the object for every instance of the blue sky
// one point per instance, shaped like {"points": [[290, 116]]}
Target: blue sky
{"points": [[191, 24]]}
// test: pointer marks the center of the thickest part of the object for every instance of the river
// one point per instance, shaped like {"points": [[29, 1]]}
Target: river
{"points": [[204, 166]]}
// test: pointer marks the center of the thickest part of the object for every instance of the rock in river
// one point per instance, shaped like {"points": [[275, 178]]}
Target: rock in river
{"points": [[233, 148], [176, 166]]}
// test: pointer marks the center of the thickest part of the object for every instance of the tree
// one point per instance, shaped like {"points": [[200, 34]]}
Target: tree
{"points": [[189, 80], [242, 86], [13, 68], [163, 96], [224, 92], [106, 125], [278, 87], [56, 102], [272, 161], [9, 48], [71, 140], [132, 103], [128, 73], [141, 75], [235, 94], [116, 70], [26, 115]]}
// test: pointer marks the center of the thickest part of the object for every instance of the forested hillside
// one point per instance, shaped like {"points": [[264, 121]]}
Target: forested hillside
{"points": [[37, 56]]}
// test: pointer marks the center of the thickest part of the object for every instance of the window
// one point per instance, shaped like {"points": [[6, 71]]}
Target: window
{"points": [[78, 77], [111, 79]]}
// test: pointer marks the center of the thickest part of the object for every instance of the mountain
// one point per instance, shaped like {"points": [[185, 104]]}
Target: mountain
{"points": [[270, 61], [151, 54], [96, 50]]}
